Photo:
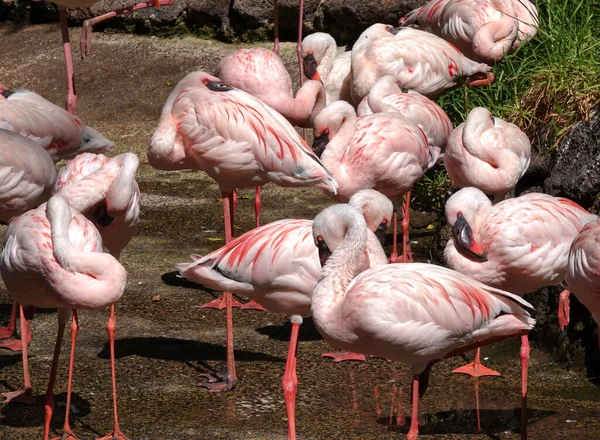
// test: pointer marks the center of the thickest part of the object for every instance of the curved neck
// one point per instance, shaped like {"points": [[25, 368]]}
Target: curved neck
{"points": [[120, 191], [380, 90], [340, 140], [326, 64], [309, 101], [474, 127]]}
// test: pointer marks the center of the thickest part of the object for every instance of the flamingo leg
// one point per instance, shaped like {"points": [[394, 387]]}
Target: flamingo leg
{"points": [[67, 432], [276, 27], [86, 31], [406, 252], [564, 309], [475, 369], [49, 400], [116, 433], [341, 356], [477, 404], [394, 254], [524, 370], [376, 394], [64, 28], [290, 381], [413, 434], [26, 394], [8, 331], [227, 380]]}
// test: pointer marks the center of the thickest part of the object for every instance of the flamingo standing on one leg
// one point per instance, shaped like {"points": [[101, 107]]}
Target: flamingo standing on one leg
{"points": [[520, 244], [488, 153], [414, 313], [383, 151], [53, 257], [278, 265], [238, 141]]}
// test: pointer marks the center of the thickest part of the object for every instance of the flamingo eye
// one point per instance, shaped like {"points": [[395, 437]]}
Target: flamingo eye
{"points": [[459, 214], [388, 28], [320, 238], [205, 81], [385, 221]]}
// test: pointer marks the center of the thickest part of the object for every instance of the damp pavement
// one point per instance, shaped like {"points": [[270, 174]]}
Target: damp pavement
{"points": [[165, 340]]}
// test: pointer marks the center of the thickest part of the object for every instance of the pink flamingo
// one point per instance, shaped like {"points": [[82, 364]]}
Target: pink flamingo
{"points": [[53, 258], [419, 60], [583, 274], [520, 244], [278, 266], [414, 313], [384, 151], [238, 141], [387, 95], [487, 153], [27, 175], [59, 132]]}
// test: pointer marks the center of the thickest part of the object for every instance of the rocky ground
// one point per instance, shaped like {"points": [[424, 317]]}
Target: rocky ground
{"points": [[165, 340]]}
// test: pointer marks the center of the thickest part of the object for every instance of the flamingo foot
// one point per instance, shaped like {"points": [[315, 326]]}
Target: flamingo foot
{"points": [[253, 305], [20, 396], [475, 369], [6, 332], [480, 79], [219, 303], [86, 39], [115, 435], [11, 344], [564, 309], [66, 435], [342, 356], [218, 382]]}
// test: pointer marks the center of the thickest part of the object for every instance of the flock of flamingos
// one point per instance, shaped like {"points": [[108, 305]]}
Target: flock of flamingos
{"points": [[376, 132]]}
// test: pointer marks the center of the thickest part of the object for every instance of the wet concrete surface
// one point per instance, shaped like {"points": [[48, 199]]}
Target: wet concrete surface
{"points": [[164, 339]]}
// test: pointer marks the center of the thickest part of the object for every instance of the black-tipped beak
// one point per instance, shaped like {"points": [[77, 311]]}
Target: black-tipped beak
{"points": [[6, 93], [324, 252], [102, 217], [381, 232], [463, 237], [320, 143], [309, 64], [395, 30], [218, 86]]}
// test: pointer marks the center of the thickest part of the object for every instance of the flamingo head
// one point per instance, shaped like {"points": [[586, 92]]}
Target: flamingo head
{"points": [[377, 210], [313, 50], [320, 142], [4, 92], [464, 240]]}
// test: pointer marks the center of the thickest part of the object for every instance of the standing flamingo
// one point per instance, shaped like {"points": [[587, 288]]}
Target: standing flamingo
{"points": [[27, 175], [53, 257], [487, 153], [415, 313], [238, 141], [60, 133], [384, 151], [583, 270], [418, 60], [387, 95], [278, 266], [520, 244]]}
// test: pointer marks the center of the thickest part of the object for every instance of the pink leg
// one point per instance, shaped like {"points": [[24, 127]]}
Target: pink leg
{"points": [[290, 382], [64, 27], [475, 369], [253, 305], [341, 356], [477, 404], [49, 401], [116, 433], [299, 44], [227, 380], [378, 408], [8, 331], [26, 394], [394, 254], [86, 31], [413, 434], [406, 252], [12, 344], [67, 432], [276, 27], [524, 368], [563, 309]]}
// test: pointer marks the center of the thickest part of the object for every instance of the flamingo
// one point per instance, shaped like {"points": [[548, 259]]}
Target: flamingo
{"points": [[60, 133], [416, 313], [487, 153], [53, 257], [419, 60], [384, 151], [387, 95], [520, 244], [27, 175], [583, 276], [238, 141], [278, 266]]}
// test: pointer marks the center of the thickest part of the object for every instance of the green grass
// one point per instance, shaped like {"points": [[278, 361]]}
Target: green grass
{"points": [[551, 82]]}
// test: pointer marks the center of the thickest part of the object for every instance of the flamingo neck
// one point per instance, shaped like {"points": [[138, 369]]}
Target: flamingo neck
{"points": [[380, 91], [326, 64], [121, 191], [340, 140], [309, 101]]}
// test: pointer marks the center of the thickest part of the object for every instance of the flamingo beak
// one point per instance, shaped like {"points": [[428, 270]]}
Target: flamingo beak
{"points": [[463, 237], [324, 252], [320, 143], [381, 231], [395, 30], [5, 92], [309, 65]]}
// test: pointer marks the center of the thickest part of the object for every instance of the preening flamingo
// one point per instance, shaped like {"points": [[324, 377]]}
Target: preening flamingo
{"points": [[27, 175], [583, 270], [418, 60], [520, 244], [278, 265], [415, 313], [384, 151], [60, 133], [238, 141], [484, 30], [53, 257], [387, 95], [488, 153], [261, 73]]}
